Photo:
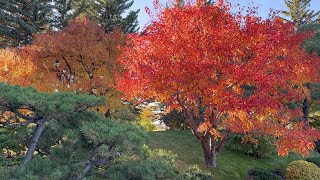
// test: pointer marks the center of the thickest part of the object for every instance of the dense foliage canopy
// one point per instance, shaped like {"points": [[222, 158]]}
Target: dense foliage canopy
{"points": [[237, 72]]}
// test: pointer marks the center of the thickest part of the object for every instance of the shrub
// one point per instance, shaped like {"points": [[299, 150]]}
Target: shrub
{"points": [[13, 140], [4, 173], [264, 149], [314, 160], [41, 168], [105, 139], [157, 164], [175, 120], [162, 154], [317, 148], [302, 170], [147, 116], [148, 169], [279, 172], [194, 173], [147, 124], [315, 123], [262, 174]]}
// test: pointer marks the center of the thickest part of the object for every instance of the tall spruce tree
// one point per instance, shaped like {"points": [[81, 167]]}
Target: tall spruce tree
{"points": [[21, 18], [311, 107], [299, 11], [64, 10], [312, 45], [109, 13]]}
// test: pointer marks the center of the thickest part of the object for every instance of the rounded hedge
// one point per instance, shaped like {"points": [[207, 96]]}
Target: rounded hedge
{"points": [[262, 174], [302, 170]]}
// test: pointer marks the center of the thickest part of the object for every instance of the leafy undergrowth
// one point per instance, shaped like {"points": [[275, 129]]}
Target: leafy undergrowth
{"points": [[231, 165]]}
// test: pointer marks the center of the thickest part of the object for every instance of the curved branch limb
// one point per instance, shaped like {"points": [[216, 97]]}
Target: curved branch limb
{"points": [[34, 142]]}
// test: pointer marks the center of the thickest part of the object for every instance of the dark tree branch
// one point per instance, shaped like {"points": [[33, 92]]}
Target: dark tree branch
{"points": [[34, 142], [67, 64], [93, 162], [223, 141]]}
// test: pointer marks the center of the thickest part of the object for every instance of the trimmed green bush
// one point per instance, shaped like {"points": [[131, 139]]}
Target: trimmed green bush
{"points": [[302, 170], [314, 160], [265, 175], [262, 174], [279, 172]]}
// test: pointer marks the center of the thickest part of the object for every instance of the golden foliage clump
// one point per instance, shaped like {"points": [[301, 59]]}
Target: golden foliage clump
{"points": [[14, 69]]}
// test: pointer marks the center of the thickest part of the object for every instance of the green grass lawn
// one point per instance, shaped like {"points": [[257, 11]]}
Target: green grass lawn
{"points": [[231, 165]]}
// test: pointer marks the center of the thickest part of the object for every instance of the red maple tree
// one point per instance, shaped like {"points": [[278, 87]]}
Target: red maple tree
{"points": [[227, 73]]}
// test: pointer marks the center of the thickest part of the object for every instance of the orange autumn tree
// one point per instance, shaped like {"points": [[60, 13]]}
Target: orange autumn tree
{"points": [[82, 57], [227, 73]]}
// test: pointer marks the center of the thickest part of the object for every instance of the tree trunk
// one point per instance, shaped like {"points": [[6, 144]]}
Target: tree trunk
{"points": [[210, 153], [305, 110], [34, 142], [87, 168], [209, 146]]}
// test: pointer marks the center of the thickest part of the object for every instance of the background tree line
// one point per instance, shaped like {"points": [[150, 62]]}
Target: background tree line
{"points": [[19, 20]]}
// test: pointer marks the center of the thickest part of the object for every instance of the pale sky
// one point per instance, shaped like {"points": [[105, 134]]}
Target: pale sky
{"points": [[265, 6]]}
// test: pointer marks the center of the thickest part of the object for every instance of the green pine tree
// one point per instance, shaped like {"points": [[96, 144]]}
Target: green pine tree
{"points": [[312, 45], [64, 10], [299, 11], [21, 18], [109, 13], [70, 140], [25, 107]]}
